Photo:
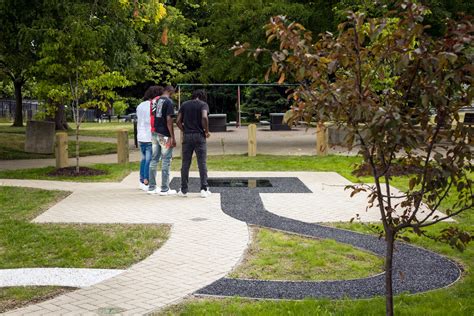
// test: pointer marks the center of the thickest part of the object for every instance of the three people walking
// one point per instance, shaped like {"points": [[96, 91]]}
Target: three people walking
{"points": [[155, 134]]}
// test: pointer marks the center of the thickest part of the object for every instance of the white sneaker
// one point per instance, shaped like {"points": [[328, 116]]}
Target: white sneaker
{"points": [[155, 191], [143, 187], [169, 192], [205, 194], [181, 194]]}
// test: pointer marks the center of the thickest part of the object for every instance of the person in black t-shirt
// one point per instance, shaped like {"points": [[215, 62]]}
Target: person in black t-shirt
{"points": [[193, 121], [163, 142]]}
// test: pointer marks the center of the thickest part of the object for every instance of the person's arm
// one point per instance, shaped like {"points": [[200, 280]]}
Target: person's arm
{"points": [[179, 121], [205, 122], [169, 124]]}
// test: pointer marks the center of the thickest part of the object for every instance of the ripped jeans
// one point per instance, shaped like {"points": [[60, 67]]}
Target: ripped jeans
{"points": [[160, 150]]}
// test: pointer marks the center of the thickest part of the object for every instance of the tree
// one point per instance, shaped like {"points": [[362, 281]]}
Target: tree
{"points": [[262, 100], [381, 79], [72, 62], [18, 45], [223, 23]]}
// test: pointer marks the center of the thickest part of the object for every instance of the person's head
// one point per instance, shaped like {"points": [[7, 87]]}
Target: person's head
{"points": [[168, 91], [153, 92], [199, 94]]}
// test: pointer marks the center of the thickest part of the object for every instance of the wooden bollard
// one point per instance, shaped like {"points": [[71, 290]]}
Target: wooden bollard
{"points": [[252, 148], [122, 147], [61, 150], [321, 139]]}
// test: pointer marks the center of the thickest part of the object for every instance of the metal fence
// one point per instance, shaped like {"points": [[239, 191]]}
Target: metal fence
{"points": [[8, 107]]}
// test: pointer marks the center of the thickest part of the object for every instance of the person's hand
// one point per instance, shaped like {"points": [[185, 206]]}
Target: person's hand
{"points": [[172, 142], [208, 134]]}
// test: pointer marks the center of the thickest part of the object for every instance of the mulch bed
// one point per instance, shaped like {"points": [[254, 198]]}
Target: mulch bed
{"points": [[394, 170], [71, 172]]}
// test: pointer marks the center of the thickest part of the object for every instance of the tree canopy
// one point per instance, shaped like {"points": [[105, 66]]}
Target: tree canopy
{"points": [[161, 41]]}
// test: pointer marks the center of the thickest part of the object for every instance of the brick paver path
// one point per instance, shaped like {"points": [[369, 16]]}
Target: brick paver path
{"points": [[204, 245]]}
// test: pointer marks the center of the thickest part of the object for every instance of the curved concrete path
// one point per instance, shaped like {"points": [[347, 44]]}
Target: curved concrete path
{"points": [[55, 276]]}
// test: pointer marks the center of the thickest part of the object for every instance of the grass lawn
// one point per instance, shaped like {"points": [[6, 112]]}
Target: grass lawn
{"points": [[274, 255], [114, 173], [12, 147], [25, 244], [108, 130], [117, 172]]}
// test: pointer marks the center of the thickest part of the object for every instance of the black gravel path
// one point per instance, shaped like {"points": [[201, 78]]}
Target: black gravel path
{"points": [[415, 269]]}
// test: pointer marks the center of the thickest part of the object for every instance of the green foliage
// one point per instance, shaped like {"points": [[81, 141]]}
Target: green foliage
{"points": [[173, 50], [263, 101], [382, 78], [383, 82], [17, 41], [228, 21]]}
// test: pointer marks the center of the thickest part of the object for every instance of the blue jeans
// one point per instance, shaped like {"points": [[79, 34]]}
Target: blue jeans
{"points": [[160, 151], [145, 149]]}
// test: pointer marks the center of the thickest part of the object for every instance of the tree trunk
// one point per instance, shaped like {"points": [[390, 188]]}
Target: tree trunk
{"points": [[18, 84], [60, 118], [77, 147], [388, 273]]}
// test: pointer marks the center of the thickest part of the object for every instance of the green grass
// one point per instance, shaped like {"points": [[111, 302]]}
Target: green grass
{"points": [[114, 173], [107, 130], [12, 147], [117, 172], [275, 255], [13, 297], [25, 244]]}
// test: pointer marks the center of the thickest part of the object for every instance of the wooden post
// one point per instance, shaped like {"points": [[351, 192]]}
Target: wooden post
{"points": [[61, 150], [252, 184], [321, 139], [252, 148], [122, 146]]}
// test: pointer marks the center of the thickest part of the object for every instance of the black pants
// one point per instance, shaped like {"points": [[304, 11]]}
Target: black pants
{"points": [[194, 142]]}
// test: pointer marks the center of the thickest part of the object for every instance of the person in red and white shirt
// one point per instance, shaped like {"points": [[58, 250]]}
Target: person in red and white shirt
{"points": [[144, 132]]}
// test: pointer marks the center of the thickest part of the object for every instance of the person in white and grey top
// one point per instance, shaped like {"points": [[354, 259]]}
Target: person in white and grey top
{"points": [[144, 133]]}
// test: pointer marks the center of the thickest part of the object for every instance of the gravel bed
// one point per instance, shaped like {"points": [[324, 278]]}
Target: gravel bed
{"points": [[415, 269]]}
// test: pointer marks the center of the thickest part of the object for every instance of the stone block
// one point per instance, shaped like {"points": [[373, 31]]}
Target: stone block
{"points": [[40, 137]]}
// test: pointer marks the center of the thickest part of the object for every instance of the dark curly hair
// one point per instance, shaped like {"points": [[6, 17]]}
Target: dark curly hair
{"points": [[199, 94], [153, 92]]}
